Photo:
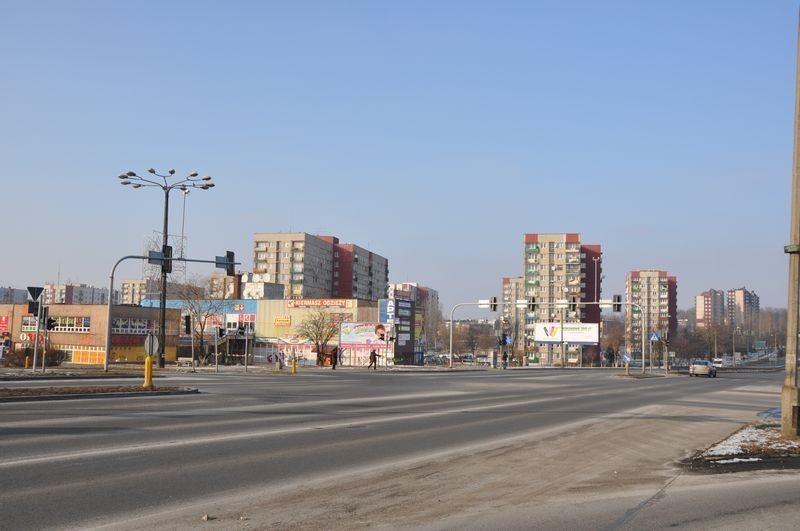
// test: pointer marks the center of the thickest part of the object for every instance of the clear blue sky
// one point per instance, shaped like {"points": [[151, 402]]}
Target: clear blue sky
{"points": [[422, 130]]}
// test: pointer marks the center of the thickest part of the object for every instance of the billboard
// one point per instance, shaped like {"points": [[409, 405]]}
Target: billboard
{"points": [[355, 335], [576, 333]]}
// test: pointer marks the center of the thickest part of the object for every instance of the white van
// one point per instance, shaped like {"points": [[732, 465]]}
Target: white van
{"points": [[717, 362]]}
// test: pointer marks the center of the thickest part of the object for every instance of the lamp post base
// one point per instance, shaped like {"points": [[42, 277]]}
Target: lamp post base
{"points": [[790, 412]]}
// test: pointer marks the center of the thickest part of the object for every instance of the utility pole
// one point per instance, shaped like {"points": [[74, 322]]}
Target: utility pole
{"points": [[790, 399]]}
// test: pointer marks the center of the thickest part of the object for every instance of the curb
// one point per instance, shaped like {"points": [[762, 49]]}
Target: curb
{"points": [[131, 394], [62, 376]]}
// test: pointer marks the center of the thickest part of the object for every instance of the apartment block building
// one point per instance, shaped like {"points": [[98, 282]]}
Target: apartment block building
{"points": [[76, 294], [134, 291], [319, 266], [513, 317], [357, 272], [655, 296], [559, 267], [743, 307], [13, 296], [709, 308]]}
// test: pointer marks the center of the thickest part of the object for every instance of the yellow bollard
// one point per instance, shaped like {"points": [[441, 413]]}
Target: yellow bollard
{"points": [[294, 365], [27, 361], [627, 369], [148, 372]]}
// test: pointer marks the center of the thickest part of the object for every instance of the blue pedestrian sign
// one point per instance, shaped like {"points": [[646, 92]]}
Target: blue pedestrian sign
{"points": [[626, 358], [654, 337]]}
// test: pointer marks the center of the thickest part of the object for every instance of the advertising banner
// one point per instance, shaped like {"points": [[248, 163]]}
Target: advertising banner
{"points": [[320, 303], [576, 333], [3, 323], [354, 335]]}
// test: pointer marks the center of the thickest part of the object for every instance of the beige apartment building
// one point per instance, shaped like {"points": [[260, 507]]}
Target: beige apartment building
{"points": [[654, 298], [743, 307], [134, 291], [319, 266], [559, 267]]}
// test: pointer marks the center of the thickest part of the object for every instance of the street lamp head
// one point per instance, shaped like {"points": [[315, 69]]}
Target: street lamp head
{"points": [[125, 182], [136, 185], [151, 170], [123, 176], [194, 174], [131, 174], [184, 189], [206, 178], [172, 172], [210, 185]]}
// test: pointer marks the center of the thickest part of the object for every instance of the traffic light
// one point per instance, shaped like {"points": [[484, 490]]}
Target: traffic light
{"points": [[532, 304], [33, 307], [573, 304], [166, 259], [51, 323], [666, 338], [221, 331], [501, 340], [493, 304], [230, 267], [617, 303], [187, 324]]}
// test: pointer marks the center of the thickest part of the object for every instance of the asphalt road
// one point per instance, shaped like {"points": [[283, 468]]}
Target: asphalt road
{"points": [[307, 450]]}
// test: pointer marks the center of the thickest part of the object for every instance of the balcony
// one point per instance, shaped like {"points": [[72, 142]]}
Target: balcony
{"points": [[532, 282], [532, 249]]}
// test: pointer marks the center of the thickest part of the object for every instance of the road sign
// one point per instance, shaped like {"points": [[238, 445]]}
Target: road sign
{"points": [[151, 344], [34, 292], [626, 358], [654, 337]]}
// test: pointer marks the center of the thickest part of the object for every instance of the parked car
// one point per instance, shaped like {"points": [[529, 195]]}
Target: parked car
{"points": [[717, 362], [702, 368]]}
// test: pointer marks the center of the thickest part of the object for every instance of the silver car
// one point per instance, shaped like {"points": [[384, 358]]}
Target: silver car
{"points": [[702, 368]]}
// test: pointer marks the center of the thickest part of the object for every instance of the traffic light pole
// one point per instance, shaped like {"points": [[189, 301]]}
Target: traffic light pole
{"points": [[111, 298], [453, 311], [36, 339]]}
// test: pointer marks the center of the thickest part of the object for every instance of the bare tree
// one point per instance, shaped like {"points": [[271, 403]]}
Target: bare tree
{"points": [[319, 327], [200, 309]]}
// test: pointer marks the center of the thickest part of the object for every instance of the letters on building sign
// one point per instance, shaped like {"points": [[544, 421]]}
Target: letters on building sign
{"points": [[282, 321], [320, 303]]}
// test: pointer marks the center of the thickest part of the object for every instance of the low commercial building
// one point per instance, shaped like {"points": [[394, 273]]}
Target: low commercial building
{"points": [[80, 331]]}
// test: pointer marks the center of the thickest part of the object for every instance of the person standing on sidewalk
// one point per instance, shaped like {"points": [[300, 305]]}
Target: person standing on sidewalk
{"points": [[334, 357], [505, 360]]}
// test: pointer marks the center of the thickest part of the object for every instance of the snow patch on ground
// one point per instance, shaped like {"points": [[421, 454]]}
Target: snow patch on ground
{"points": [[738, 460], [752, 440]]}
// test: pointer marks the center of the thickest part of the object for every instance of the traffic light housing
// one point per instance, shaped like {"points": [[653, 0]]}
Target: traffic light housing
{"points": [[617, 303], [532, 304], [166, 259], [221, 331], [493, 304], [501, 340], [187, 324], [573, 304], [230, 267], [51, 323], [33, 307]]}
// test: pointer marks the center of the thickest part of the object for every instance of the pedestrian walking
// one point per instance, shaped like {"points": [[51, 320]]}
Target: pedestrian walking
{"points": [[373, 360], [505, 360], [334, 357]]}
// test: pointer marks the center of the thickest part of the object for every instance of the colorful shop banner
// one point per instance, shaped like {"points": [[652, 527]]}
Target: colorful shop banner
{"points": [[3, 323]]}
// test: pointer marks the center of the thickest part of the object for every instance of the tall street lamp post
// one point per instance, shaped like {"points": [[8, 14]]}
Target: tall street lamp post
{"points": [[190, 181]]}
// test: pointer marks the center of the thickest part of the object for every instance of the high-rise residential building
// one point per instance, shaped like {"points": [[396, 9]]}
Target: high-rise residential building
{"points": [[558, 267], [134, 291], [654, 308], [76, 294], [13, 296], [319, 266], [357, 272], [514, 317], [709, 308], [743, 307]]}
